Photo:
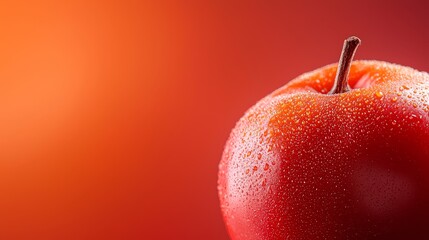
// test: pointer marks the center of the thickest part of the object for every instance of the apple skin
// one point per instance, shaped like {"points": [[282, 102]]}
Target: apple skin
{"points": [[302, 164]]}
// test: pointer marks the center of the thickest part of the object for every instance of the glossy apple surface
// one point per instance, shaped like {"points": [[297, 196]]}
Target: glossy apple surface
{"points": [[303, 164]]}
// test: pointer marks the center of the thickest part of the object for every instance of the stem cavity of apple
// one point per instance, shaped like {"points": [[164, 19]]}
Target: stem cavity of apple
{"points": [[341, 84]]}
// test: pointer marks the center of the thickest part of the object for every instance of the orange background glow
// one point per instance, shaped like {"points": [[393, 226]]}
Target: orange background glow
{"points": [[113, 114]]}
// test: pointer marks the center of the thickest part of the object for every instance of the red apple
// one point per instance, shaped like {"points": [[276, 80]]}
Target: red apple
{"points": [[307, 162]]}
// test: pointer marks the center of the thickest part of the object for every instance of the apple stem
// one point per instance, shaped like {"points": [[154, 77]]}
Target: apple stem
{"points": [[341, 84]]}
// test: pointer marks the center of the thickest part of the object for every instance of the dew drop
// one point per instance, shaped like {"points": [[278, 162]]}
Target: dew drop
{"points": [[264, 182], [379, 94], [266, 167]]}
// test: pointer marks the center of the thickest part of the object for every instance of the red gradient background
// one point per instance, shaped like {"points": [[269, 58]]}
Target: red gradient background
{"points": [[113, 114]]}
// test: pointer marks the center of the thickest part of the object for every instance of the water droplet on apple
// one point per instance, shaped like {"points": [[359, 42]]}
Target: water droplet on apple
{"points": [[264, 182], [379, 94], [266, 167]]}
